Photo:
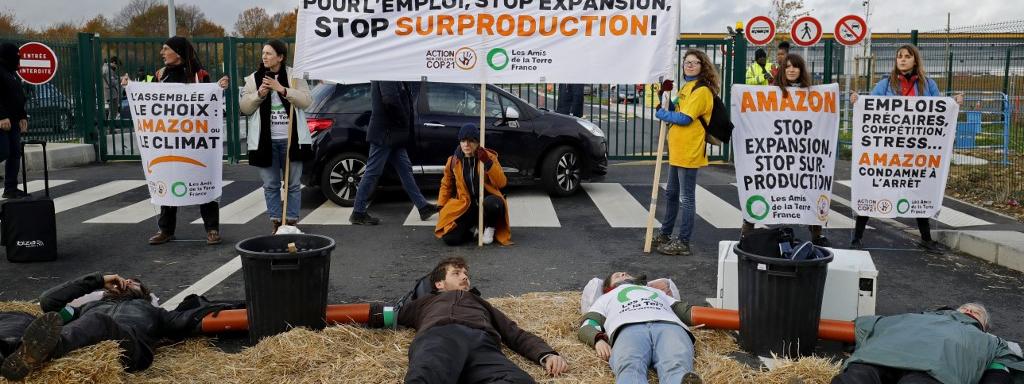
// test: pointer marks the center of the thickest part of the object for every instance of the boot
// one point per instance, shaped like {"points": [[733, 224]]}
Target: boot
{"points": [[37, 345], [160, 237], [276, 224], [363, 219]]}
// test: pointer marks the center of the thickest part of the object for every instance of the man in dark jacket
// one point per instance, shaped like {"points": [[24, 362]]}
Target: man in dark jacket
{"points": [[390, 131], [125, 314], [13, 118], [459, 335], [945, 346]]}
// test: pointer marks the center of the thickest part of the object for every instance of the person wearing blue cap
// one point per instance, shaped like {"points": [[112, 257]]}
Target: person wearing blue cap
{"points": [[459, 196]]}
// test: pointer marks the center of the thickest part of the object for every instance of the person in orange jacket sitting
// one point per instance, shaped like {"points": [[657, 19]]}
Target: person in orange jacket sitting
{"points": [[459, 195]]}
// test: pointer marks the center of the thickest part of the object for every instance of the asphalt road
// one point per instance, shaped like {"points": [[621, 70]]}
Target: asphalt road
{"points": [[381, 263]]}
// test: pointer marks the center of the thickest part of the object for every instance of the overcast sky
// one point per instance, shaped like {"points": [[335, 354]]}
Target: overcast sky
{"points": [[698, 15]]}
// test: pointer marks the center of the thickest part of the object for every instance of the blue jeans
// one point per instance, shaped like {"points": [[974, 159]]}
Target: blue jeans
{"points": [[682, 188], [665, 346], [272, 177], [10, 150], [381, 155]]}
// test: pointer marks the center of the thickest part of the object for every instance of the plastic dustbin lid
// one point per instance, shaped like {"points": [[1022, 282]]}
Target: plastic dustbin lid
{"points": [[785, 262], [271, 247]]}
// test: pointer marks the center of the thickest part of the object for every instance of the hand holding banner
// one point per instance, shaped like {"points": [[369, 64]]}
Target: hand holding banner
{"points": [[179, 131], [901, 152], [785, 152]]}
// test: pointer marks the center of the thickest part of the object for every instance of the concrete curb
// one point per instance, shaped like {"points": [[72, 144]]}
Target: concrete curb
{"points": [[59, 155], [1005, 248]]}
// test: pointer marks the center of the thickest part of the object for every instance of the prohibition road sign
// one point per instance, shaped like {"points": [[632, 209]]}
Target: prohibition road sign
{"points": [[38, 63], [806, 31], [851, 29], [760, 30]]}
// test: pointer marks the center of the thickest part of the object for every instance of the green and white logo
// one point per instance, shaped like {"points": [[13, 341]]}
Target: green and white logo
{"points": [[624, 294], [497, 59], [179, 189], [902, 206], [757, 207]]}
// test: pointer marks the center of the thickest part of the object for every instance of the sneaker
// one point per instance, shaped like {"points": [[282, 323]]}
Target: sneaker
{"points": [[855, 244], [675, 248], [692, 378], [932, 247], [488, 235], [160, 237], [363, 219], [427, 211], [659, 239], [213, 237], [821, 241], [14, 193], [37, 345]]}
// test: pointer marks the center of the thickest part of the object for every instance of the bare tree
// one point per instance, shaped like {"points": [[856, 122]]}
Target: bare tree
{"points": [[784, 13], [9, 25], [254, 22], [133, 10]]}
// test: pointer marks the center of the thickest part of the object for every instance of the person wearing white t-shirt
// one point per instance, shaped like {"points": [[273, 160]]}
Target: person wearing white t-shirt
{"points": [[268, 95], [636, 327]]}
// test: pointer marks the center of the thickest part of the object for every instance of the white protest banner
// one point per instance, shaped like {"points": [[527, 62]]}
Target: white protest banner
{"points": [[492, 41], [901, 152], [179, 129], [785, 152]]}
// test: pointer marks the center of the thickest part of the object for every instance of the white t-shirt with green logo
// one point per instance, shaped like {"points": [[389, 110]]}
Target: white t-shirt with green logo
{"points": [[278, 118], [631, 304]]}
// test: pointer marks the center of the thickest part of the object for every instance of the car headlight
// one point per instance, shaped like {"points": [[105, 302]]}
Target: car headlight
{"points": [[593, 128]]}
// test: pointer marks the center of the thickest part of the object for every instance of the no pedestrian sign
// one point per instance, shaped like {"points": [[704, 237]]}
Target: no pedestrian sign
{"points": [[851, 30], [806, 31], [760, 30], [38, 63]]}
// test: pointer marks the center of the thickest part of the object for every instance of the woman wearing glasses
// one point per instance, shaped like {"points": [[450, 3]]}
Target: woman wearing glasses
{"points": [[686, 148]]}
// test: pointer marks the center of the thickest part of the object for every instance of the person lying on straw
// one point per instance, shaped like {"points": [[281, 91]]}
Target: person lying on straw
{"points": [[635, 327], [944, 346], [459, 335], [126, 313]]}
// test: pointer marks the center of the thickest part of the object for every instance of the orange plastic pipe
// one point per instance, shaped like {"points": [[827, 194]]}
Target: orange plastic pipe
{"points": [[237, 319], [836, 330]]}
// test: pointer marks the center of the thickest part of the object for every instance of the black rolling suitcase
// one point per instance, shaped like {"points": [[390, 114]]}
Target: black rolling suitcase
{"points": [[28, 226]]}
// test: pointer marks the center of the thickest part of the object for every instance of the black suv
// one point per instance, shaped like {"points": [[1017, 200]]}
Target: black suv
{"points": [[533, 145]]}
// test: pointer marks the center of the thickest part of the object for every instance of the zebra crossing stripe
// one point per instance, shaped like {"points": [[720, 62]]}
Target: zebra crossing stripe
{"points": [[618, 207], [532, 209], [132, 214], [413, 219], [328, 213], [94, 194], [37, 185], [947, 215]]}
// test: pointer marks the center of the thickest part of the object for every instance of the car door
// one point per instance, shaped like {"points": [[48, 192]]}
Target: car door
{"points": [[514, 140], [447, 108]]}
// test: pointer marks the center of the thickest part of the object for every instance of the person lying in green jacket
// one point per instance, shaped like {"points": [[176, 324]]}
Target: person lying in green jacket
{"points": [[945, 346]]}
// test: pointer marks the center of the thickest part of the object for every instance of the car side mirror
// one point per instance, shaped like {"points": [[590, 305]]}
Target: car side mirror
{"points": [[511, 114]]}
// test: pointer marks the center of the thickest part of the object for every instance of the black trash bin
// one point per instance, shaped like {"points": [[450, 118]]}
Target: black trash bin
{"points": [[780, 302], [285, 290]]}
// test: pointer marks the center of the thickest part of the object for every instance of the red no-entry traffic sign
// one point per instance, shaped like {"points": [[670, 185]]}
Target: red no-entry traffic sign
{"points": [[760, 30], [806, 31], [38, 63], [851, 29]]}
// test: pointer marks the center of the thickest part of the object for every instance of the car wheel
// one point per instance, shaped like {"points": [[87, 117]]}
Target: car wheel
{"points": [[341, 176], [561, 172]]}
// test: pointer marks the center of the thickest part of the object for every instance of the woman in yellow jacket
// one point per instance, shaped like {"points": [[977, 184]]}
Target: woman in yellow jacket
{"points": [[687, 151], [459, 195]]}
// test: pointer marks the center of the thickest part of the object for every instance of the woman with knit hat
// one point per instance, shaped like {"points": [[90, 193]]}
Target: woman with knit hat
{"points": [[460, 194], [181, 65]]}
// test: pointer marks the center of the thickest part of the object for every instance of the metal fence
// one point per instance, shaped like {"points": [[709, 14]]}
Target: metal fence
{"points": [[988, 68], [51, 106]]}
